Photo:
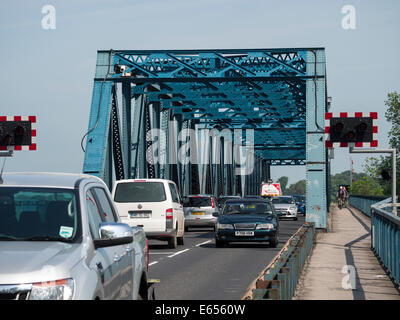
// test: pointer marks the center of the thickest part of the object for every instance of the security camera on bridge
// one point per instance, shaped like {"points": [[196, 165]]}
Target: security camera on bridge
{"points": [[344, 130]]}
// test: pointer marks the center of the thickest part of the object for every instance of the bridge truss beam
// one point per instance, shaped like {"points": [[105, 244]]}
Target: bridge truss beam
{"points": [[150, 108]]}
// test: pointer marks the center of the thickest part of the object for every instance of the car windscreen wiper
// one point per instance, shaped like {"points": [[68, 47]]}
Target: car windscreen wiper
{"points": [[47, 238]]}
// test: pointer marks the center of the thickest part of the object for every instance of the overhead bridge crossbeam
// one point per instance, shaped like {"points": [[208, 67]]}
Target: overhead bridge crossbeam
{"points": [[214, 121]]}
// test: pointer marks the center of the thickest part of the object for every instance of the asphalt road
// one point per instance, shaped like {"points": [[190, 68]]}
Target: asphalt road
{"points": [[200, 271]]}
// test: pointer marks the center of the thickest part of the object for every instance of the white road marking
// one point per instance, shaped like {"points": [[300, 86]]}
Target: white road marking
{"points": [[200, 244], [150, 264], [176, 253], [160, 252]]}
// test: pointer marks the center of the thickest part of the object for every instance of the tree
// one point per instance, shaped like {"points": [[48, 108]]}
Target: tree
{"points": [[373, 165], [298, 188], [283, 182], [343, 178], [367, 186]]}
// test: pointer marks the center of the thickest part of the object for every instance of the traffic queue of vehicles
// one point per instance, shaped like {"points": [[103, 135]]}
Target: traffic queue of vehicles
{"points": [[64, 236]]}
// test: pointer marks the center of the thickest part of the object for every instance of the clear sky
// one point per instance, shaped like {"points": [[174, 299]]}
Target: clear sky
{"points": [[49, 73]]}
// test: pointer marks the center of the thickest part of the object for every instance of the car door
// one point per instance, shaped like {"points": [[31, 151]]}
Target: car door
{"points": [[126, 253], [106, 259], [178, 208]]}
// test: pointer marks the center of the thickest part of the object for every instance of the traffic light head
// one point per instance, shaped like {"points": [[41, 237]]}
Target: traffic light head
{"points": [[351, 130], [386, 174], [359, 130], [18, 133]]}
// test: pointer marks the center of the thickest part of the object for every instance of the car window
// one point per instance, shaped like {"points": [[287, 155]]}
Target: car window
{"points": [[94, 215], [106, 209], [247, 208], [38, 213], [198, 201], [140, 192], [174, 193], [285, 200]]}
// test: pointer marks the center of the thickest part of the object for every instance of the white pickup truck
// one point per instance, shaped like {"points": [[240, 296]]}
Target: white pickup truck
{"points": [[61, 238]]}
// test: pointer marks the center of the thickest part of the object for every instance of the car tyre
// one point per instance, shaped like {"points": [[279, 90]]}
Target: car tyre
{"points": [[181, 240], [274, 243], [220, 244], [173, 242]]}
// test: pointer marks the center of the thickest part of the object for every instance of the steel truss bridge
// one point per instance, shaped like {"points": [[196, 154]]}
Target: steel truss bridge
{"points": [[262, 107]]}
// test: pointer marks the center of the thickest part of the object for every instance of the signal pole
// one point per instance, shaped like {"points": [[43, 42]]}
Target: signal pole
{"points": [[351, 172]]}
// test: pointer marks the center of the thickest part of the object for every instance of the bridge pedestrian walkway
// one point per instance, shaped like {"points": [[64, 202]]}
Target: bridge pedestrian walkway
{"points": [[342, 266]]}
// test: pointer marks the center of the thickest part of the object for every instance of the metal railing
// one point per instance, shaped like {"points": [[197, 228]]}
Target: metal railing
{"points": [[279, 279], [364, 203], [385, 238]]}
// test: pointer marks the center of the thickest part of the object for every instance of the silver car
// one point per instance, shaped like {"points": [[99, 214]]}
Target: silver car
{"points": [[61, 239], [285, 207], [200, 211]]}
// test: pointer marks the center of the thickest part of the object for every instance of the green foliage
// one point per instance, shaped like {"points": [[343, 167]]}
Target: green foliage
{"points": [[343, 178], [367, 186], [298, 188], [374, 166], [392, 115], [283, 181]]}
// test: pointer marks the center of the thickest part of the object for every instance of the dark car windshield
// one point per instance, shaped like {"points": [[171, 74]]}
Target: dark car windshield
{"points": [[38, 214], [140, 192], [197, 201], [252, 207], [285, 200], [222, 200]]}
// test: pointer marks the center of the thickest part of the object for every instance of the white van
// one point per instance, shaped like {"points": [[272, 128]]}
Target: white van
{"points": [[154, 205]]}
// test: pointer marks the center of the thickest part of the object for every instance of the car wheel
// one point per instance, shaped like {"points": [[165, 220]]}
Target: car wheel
{"points": [[173, 242], [274, 243], [181, 240], [219, 243]]}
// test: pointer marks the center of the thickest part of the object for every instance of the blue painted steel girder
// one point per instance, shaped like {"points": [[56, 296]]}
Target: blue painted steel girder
{"points": [[234, 89], [175, 64]]}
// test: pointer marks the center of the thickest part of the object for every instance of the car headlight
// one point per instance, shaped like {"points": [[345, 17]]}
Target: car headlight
{"points": [[53, 290], [293, 208], [265, 226], [224, 226]]}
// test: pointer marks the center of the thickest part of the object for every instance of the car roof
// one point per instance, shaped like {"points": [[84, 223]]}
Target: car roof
{"points": [[246, 200], [226, 196], [200, 195], [44, 179], [142, 180]]}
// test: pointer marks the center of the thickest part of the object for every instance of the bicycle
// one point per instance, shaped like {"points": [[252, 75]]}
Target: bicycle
{"points": [[340, 203]]}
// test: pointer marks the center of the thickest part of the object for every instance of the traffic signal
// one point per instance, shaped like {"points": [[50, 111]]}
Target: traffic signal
{"points": [[386, 174], [17, 132], [357, 131]]}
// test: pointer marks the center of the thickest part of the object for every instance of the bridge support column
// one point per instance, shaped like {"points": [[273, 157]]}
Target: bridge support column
{"points": [[315, 144]]}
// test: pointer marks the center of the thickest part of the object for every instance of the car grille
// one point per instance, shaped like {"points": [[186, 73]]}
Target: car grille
{"points": [[14, 296], [14, 292], [249, 226], [281, 211]]}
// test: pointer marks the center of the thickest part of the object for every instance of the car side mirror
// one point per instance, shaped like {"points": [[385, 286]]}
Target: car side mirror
{"points": [[113, 234]]}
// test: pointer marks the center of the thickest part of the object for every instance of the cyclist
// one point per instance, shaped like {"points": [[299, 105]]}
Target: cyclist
{"points": [[341, 196]]}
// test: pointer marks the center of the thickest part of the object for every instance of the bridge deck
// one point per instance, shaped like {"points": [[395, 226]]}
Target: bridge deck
{"points": [[348, 244]]}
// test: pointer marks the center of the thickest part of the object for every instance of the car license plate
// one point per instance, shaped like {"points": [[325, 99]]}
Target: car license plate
{"points": [[139, 215], [197, 213], [244, 233]]}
